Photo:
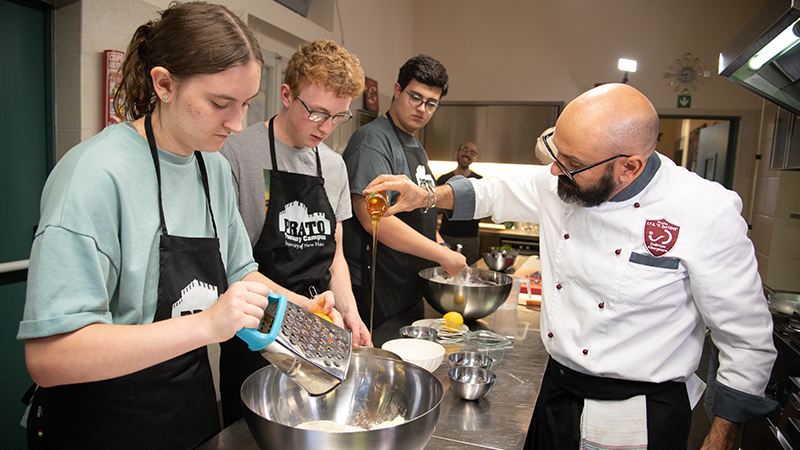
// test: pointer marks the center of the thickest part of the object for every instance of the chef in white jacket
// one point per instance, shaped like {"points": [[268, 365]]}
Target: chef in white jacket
{"points": [[639, 257]]}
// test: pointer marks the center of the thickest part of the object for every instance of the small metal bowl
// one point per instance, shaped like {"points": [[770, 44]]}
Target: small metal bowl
{"points": [[471, 383], [425, 333], [470, 359], [499, 261]]}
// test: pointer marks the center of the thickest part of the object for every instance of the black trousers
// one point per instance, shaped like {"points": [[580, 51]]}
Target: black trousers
{"points": [[556, 417]]}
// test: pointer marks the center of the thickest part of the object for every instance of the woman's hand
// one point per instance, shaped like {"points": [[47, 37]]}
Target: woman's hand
{"points": [[241, 306]]}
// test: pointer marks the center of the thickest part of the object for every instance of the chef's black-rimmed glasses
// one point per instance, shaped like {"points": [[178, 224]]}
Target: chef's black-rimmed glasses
{"points": [[571, 173], [319, 116], [415, 100]]}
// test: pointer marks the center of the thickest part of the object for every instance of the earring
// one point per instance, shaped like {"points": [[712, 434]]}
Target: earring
{"points": [[164, 96]]}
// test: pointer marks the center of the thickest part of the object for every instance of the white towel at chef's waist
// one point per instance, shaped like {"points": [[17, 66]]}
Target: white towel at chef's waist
{"points": [[622, 424], [614, 424]]}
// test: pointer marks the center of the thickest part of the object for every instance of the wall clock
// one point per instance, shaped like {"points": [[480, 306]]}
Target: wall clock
{"points": [[686, 74]]}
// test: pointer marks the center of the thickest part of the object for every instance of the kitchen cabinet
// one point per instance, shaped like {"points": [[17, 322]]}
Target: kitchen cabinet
{"points": [[505, 132], [786, 141], [526, 242]]}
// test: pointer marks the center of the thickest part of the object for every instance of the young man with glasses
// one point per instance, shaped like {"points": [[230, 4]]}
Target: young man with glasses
{"points": [[293, 195], [639, 257], [408, 242], [463, 232]]}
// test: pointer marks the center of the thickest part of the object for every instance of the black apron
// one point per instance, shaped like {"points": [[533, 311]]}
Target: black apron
{"points": [[295, 249], [171, 405], [557, 414], [398, 286]]}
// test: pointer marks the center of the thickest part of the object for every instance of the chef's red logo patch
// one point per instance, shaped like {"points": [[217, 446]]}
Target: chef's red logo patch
{"points": [[660, 236]]}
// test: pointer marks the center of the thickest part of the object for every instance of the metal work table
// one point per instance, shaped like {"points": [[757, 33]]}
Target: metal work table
{"points": [[498, 421]]}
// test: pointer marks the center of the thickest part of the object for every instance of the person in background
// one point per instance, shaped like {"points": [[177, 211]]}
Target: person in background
{"points": [[305, 184], [639, 257], [464, 232], [409, 241], [141, 259]]}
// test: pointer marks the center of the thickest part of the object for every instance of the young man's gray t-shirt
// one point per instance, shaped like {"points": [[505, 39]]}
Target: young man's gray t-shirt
{"points": [[372, 150], [248, 154]]}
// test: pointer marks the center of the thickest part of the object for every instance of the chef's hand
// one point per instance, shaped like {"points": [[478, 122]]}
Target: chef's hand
{"points": [[411, 196], [324, 303], [353, 322], [241, 306], [453, 262]]}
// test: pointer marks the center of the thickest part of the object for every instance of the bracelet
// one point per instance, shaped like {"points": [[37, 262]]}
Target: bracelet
{"points": [[434, 197], [428, 206], [445, 244]]}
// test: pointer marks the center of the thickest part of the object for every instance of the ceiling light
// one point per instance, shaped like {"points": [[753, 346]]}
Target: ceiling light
{"points": [[784, 41], [627, 65]]}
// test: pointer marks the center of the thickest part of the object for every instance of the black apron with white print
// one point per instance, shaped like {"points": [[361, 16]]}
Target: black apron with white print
{"points": [[398, 286], [169, 406], [295, 249]]}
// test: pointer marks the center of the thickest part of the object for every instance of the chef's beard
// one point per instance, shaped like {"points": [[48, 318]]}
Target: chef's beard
{"points": [[570, 192]]}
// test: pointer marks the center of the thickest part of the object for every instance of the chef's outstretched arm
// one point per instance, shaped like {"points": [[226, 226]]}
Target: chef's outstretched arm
{"points": [[412, 196], [399, 236]]}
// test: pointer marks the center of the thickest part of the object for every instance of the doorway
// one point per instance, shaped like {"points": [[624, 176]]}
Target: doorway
{"points": [[704, 145], [26, 157]]}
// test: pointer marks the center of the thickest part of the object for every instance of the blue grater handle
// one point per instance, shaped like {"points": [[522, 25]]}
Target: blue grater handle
{"points": [[257, 340]]}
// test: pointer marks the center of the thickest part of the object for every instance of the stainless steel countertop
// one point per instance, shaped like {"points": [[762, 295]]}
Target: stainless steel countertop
{"points": [[498, 421]]}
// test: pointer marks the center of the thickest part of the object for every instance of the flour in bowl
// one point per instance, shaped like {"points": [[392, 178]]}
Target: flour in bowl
{"points": [[327, 425], [389, 423], [335, 427]]}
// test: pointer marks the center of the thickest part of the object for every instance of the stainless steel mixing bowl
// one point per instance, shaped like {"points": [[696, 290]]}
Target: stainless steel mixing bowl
{"points": [[484, 291], [426, 333], [471, 383], [375, 351], [499, 261], [375, 390], [470, 359], [785, 302]]}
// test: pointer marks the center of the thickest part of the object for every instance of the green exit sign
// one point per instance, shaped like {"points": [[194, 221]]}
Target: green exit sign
{"points": [[684, 101]]}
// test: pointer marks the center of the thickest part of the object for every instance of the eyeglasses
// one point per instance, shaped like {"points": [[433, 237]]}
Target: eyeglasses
{"points": [[473, 153], [415, 100], [319, 116], [571, 173]]}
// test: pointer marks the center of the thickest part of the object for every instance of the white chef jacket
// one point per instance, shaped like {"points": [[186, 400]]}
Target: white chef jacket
{"points": [[629, 286]]}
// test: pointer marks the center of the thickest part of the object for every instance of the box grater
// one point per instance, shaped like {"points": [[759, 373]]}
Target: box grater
{"points": [[311, 351]]}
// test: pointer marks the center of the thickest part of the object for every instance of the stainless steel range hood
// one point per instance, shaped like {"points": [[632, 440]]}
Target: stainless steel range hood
{"points": [[765, 56]]}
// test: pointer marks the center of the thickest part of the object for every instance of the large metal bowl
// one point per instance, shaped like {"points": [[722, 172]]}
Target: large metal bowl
{"points": [[484, 291], [375, 390], [785, 302]]}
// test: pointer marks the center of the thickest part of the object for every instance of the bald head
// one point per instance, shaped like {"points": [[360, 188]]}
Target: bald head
{"points": [[613, 119]]}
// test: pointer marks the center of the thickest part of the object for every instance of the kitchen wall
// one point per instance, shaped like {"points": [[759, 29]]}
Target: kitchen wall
{"points": [[85, 28], [514, 50]]}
